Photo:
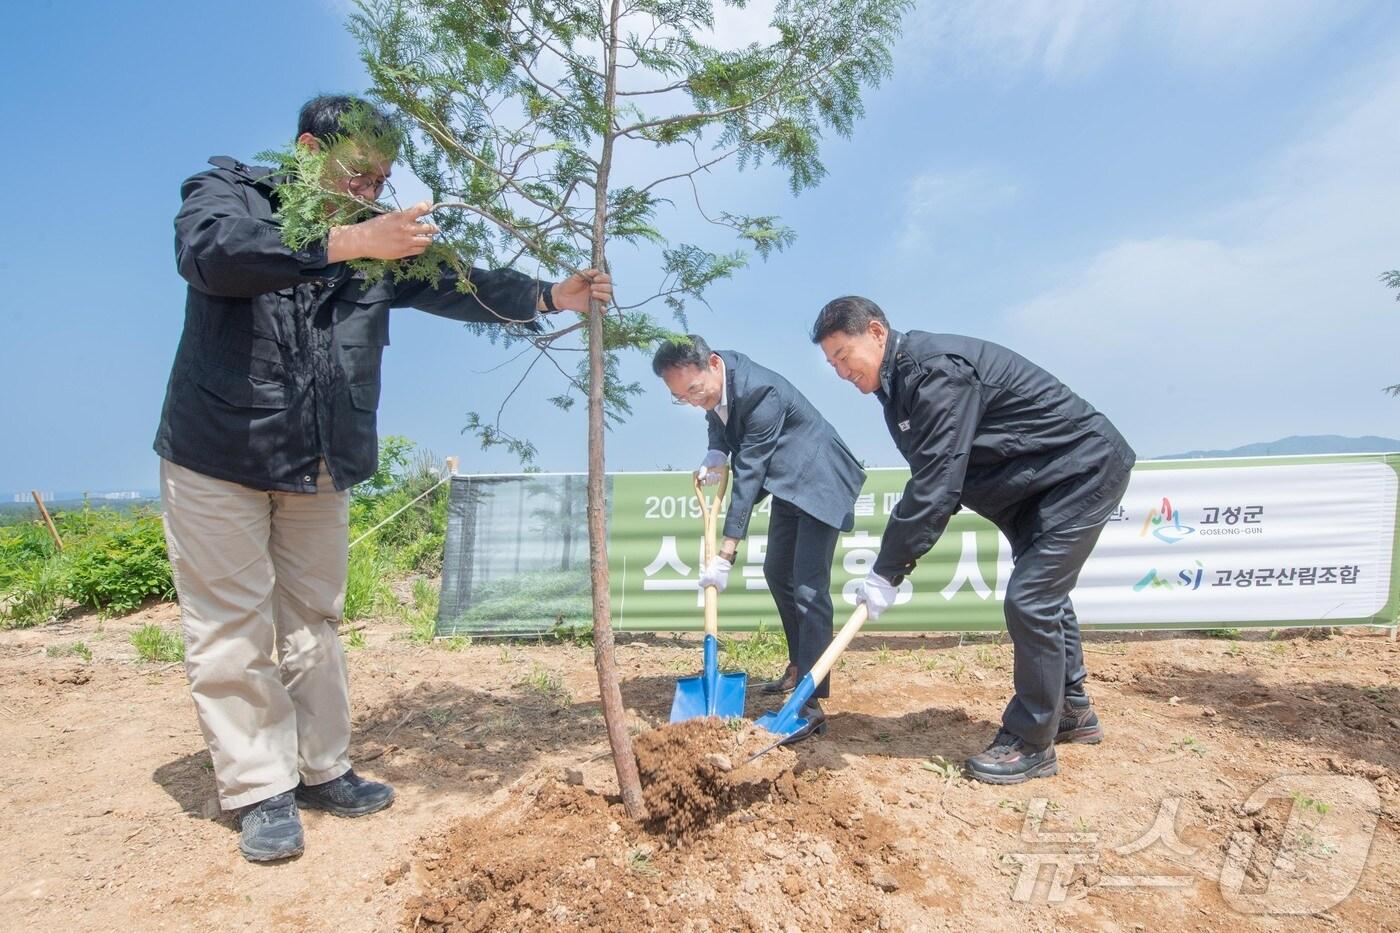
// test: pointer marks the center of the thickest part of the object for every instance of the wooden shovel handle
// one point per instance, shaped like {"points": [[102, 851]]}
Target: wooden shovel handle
{"points": [[839, 643], [709, 511]]}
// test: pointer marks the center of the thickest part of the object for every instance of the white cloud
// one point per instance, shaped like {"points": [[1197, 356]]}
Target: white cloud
{"points": [[1065, 39], [935, 200], [1265, 319]]}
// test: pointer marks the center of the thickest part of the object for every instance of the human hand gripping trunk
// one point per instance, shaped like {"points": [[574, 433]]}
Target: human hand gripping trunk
{"points": [[943, 422]]}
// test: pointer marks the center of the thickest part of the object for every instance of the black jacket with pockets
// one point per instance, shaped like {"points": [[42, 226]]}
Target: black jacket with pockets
{"points": [[278, 365], [984, 427]]}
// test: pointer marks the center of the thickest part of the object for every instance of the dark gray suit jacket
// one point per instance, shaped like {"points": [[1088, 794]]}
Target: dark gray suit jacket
{"points": [[780, 445]]}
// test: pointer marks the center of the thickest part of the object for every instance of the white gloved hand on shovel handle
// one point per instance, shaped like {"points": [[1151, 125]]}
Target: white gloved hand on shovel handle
{"points": [[716, 574], [714, 459], [877, 593]]}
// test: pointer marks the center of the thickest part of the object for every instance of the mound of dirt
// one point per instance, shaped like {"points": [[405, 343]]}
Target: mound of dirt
{"points": [[696, 771], [729, 847]]}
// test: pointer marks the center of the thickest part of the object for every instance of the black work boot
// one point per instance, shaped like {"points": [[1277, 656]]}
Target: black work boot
{"points": [[347, 795], [271, 829], [1078, 722], [784, 684], [1011, 760]]}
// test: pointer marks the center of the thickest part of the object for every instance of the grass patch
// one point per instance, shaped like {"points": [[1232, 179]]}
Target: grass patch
{"points": [[366, 589], [154, 643], [764, 654], [1191, 745], [547, 684], [421, 615], [577, 634], [639, 862], [1308, 803], [74, 650], [948, 770]]}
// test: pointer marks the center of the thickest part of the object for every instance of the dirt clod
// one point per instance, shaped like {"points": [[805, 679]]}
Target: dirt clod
{"points": [[688, 774]]}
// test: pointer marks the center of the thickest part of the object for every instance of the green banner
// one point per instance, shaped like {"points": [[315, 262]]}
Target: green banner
{"points": [[654, 548], [1195, 544]]}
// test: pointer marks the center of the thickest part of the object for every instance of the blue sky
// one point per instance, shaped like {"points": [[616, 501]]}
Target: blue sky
{"points": [[1181, 209]]}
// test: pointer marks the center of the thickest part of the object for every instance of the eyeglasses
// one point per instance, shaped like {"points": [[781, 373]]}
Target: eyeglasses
{"points": [[695, 390], [366, 185]]}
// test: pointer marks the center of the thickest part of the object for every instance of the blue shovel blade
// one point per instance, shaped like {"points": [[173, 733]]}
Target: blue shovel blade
{"points": [[710, 693], [788, 720]]}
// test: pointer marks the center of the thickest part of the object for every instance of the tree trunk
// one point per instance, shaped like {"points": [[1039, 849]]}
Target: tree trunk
{"points": [[614, 714]]}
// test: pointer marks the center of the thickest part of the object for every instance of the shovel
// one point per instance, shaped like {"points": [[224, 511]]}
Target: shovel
{"points": [[787, 723], [711, 693]]}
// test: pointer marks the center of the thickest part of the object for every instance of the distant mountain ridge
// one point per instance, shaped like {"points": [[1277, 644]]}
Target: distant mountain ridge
{"points": [[1298, 444]]}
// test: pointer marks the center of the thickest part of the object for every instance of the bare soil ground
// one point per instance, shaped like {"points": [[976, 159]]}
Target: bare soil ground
{"points": [[507, 816]]}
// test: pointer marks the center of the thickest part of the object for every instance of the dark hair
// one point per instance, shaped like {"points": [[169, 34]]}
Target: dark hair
{"points": [[690, 350], [325, 117], [849, 315]]}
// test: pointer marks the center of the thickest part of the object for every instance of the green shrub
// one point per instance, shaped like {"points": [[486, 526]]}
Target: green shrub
{"points": [[34, 594], [21, 547], [121, 566], [115, 560], [411, 541], [154, 643]]}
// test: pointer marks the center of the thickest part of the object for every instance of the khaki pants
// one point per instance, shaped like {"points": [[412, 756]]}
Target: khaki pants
{"points": [[261, 582]]}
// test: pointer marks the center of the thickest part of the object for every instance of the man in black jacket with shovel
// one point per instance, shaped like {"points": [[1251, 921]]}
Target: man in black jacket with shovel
{"points": [[984, 427], [777, 444]]}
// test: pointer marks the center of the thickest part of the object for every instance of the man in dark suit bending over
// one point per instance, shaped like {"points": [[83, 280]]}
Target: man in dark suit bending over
{"points": [[776, 444]]}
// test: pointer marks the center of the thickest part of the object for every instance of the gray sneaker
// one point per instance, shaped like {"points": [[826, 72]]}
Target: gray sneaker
{"points": [[1078, 722], [347, 795], [271, 830]]}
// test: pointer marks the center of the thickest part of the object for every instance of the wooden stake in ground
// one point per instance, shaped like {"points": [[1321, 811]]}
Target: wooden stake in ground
{"points": [[53, 532], [614, 714]]}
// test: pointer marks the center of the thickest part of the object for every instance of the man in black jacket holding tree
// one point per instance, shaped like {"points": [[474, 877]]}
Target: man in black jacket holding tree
{"points": [[269, 419], [984, 427]]}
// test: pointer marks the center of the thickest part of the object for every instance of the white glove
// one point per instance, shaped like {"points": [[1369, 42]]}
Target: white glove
{"points": [[713, 459], [716, 574], [877, 593]]}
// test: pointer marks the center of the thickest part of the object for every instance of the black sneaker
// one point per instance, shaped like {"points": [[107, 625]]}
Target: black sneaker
{"points": [[347, 795], [271, 830], [1010, 760], [1078, 722]]}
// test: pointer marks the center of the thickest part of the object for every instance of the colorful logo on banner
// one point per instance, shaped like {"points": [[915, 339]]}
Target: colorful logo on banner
{"points": [[1188, 579], [1165, 524]]}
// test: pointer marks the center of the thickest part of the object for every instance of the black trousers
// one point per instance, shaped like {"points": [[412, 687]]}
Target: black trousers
{"points": [[1048, 654], [797, 567]]}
